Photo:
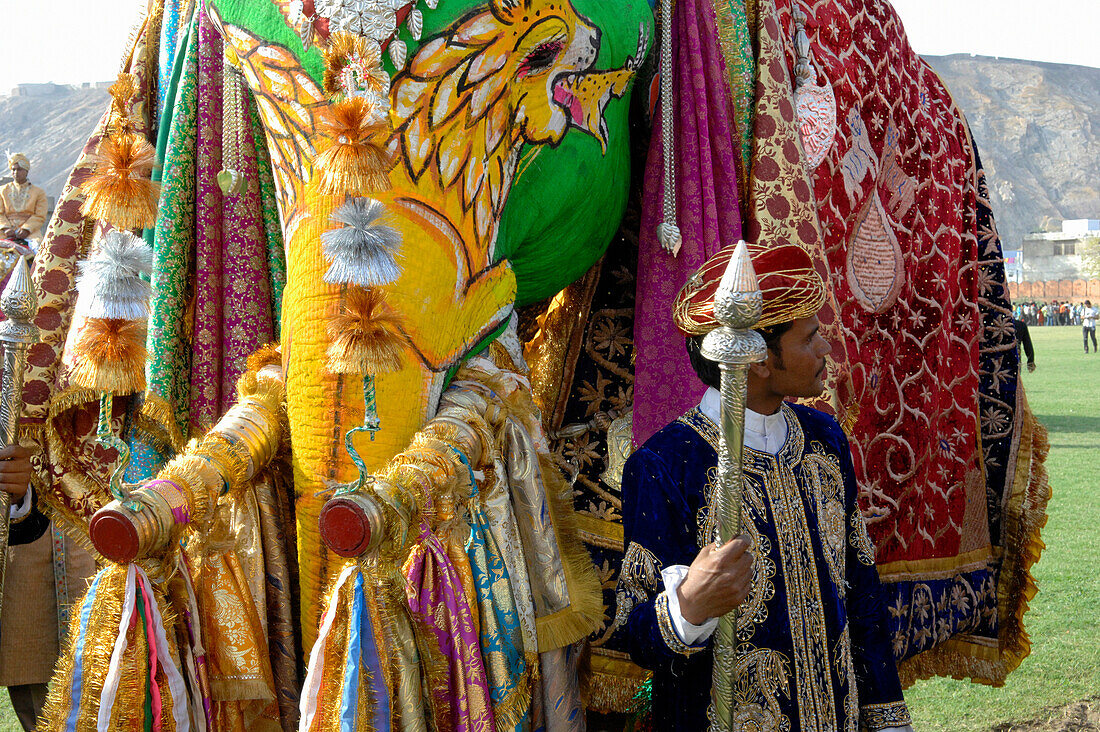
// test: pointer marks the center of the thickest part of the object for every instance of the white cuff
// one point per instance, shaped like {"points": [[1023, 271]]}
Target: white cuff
{"points": [[24, 507], [689, 633]]}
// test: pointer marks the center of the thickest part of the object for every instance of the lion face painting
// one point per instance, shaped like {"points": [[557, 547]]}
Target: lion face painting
{"points": [[510, 136]]}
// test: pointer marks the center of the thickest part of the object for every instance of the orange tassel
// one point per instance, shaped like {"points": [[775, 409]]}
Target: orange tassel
{"points": [[365, 335], [122, 92], [109, 356], [120, 190], [357, 162]]}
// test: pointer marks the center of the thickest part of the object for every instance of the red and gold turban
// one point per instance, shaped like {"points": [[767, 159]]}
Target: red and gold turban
{"points": [[791, 286]]}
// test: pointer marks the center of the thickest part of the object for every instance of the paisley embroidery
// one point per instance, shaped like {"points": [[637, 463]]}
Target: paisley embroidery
{"points": [[861, 540]]}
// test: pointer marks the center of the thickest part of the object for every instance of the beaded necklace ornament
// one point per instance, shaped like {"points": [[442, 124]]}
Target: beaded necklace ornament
{"points": [[668, 232]]}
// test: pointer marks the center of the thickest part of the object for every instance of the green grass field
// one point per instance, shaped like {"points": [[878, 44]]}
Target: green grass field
{"points": [[1064, 665]]}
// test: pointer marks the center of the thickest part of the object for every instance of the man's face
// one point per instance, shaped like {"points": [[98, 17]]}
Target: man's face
{"points": [[799, 369], [20, 174]]}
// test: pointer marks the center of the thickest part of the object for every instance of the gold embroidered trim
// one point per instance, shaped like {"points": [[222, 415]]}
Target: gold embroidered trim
{"points": [[638, 579], [668, 632], [861, 540], [880, 716]]}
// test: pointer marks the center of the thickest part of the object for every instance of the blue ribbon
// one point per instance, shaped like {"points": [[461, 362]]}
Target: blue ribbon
{"points": [[78, 657]]}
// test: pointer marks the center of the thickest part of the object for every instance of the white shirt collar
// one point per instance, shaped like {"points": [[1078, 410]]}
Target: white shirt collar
{"points": [[763, 432]]}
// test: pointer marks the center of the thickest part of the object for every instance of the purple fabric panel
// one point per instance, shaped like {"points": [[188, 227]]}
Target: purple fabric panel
{"points": [[708, 214], [246, 289], [233, 302], [460, 699], [207, 332]]}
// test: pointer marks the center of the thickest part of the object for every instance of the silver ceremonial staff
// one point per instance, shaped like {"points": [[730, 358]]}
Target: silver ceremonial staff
{"points": [[17, 334], [733, 345]]}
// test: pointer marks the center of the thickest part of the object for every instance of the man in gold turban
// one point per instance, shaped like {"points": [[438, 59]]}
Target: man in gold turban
{"points": [[22, 204], [814, 652]]}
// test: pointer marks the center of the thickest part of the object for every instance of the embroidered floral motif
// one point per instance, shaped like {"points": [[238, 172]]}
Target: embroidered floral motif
{"points": [[881, 716], [846, 672], [861, 540], [826, 483], [763, 676]]}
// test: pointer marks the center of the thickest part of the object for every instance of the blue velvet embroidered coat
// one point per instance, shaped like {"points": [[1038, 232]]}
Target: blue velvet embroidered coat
{"points": [[814, 652]]}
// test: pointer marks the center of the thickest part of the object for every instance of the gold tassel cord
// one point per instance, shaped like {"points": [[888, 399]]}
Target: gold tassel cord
{"points": [[122, 94]]}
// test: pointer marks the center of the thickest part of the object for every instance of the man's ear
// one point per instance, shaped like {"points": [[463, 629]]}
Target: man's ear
{"points": [[760, 369]]}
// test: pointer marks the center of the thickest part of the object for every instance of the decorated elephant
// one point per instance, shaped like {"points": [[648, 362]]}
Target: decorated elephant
{"points": [[443, 212]]}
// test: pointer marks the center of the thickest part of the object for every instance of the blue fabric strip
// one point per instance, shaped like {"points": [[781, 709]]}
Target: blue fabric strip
{"points": [[349, 701], [78, 657], [380, 693]]}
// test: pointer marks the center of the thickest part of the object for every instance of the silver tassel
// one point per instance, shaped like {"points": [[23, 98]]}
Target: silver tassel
{"points": [[364, 251], [112, 284]]}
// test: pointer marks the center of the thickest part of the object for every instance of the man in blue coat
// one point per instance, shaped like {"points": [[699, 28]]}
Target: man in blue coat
{"points": [[813, 652]]}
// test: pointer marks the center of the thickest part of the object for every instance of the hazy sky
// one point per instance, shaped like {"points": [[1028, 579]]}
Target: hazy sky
{"points": [[68, 41]]}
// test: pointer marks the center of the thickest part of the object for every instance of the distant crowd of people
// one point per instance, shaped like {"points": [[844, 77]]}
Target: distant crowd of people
{"points": [[1083, 314], [1051, 313]]}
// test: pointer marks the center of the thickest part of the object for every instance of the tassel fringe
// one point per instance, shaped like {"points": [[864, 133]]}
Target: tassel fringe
{"points": [[112, 282], [363, 251], [357, 161], [120, 190], [109, 356], [365, 335]]}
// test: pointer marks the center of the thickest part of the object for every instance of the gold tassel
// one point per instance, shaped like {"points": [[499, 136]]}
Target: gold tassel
{"points": [[357, 162], [109, 355], [120, 190], [366, 336], [122, 93]]}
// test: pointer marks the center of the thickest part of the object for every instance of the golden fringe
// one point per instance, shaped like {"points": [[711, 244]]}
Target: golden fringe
{"points": [[585, 612], [357, 161], [611, 693], [109, 355], [1027, 516], [98, 645], [224, 454], [120, 190], [947, 660], [365, 335], [511, 710], [157, 409], [267, 355]]}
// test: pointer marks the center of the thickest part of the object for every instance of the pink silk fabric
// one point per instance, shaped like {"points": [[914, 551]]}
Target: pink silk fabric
{"points": [[707, 210]]}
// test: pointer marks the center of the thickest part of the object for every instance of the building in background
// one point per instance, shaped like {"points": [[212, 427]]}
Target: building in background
{"points": [[1049, 266]]}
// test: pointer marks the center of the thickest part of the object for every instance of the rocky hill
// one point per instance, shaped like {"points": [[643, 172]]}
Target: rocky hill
{"points": [[51, 127], [1037, 126]]}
